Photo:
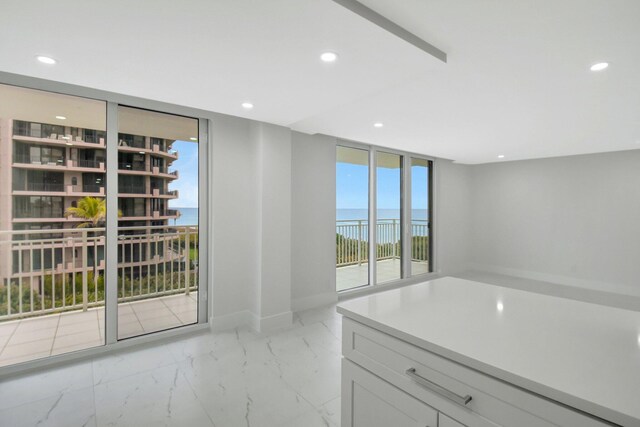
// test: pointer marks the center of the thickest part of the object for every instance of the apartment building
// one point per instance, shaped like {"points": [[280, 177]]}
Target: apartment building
{"points": [[50, 168]]}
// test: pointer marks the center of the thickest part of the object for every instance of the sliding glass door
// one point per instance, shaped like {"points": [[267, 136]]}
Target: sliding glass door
{"points": [[52, 236], [74, 274], [158, 235], [389, 213], [352, 218], [420, 216], [396, 196]]}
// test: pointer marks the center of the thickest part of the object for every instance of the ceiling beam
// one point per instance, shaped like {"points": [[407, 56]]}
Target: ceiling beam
{"points": [[390, 26]]}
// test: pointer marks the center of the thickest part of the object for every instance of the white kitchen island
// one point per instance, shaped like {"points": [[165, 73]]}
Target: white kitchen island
{"points": [[452, 352]]}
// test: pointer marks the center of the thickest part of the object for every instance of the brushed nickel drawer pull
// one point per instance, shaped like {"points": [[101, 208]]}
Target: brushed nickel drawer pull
{"points": [[461, 400]]}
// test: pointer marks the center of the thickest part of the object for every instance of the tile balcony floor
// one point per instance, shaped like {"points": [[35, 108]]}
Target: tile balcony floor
{"points": [[352, 276], [34, 338], [235, 378]]}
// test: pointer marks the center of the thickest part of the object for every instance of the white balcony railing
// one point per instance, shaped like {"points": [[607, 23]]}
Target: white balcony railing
{"points": [[48, 271], [352, 240]]}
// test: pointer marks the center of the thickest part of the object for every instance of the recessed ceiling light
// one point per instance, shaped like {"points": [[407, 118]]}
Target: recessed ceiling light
{"points": [[69, 144], [329, 57], [599, 66], [501, 156], [46, 60], [61, 118], [378, 125], [247, 105], [193, 139], [500, 306], [141, 152]]}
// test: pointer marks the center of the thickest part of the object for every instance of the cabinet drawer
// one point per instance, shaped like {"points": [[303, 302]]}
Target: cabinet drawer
{"points": [[368, 401], [493, 402]]}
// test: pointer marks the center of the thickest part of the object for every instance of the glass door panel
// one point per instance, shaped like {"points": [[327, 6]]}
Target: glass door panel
{"points": [[52, 264], [158, 236], [352, 218], [389, 212], [420, 216]]}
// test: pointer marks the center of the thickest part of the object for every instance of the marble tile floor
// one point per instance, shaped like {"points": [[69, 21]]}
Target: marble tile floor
{"points": [[352, 276], [234, 378], [37, 337]]}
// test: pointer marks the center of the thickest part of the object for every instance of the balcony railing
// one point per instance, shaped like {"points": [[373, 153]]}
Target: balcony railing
{"points": [[44, 186], [38, 213], [87, 163], [132, 189], [33, 160], [352, 240], [92, 188], [64, 269], [140, 167]]}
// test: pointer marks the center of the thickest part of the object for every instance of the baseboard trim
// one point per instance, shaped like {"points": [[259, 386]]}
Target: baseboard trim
{"points": [[250, 319], [274, 322], [232, 321], [314, 301]]}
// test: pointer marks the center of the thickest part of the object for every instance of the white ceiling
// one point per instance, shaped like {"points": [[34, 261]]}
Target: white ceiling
{"points": [[517, 80]]}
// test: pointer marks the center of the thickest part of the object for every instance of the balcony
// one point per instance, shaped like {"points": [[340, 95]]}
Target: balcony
{"points": [[124, 190], [133, 168], [168, 152], [58, 189], [63, 140], [157, 282], [37, 163], [45, 186], [352, 254], [88, 165]]}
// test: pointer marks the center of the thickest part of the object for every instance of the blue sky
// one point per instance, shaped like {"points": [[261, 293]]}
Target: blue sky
{"points": [[187, 183], [353, 181]]}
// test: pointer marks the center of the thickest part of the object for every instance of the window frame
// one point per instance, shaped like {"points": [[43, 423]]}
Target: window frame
{"points": [[112, 101], [405, 211]]}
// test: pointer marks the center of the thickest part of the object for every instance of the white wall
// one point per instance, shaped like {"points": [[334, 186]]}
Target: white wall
{"points": [[251, 181], [274, 225], [452, 216], [568, 220], [313, 211], [235, 247]]}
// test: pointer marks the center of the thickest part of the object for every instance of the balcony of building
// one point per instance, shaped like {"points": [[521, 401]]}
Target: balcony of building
{"points": [[138, 146], [57, 164], [63, 141], [52, 297], [140, 168], [59, 189], [352, 249]]}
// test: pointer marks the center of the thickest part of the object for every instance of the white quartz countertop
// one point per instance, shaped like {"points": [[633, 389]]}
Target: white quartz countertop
{"points": [[584, 355]]}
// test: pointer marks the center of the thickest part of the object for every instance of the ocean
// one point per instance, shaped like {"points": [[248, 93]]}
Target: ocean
{"points": [[362, 214], [188, 216]]}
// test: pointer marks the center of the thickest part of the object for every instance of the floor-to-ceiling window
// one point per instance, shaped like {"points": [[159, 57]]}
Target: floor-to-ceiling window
{"points": [[158, 237], [420, 216], [395, 195], [52, 265], [352, 218], [388, 215], [75, 274]]}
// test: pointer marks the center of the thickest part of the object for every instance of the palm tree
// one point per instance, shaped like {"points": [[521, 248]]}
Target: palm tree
{"points": [[93, 209]]}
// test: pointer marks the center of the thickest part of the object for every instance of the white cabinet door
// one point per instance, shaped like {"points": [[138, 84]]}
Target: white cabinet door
{"points": [[444, 421], [369, 401]]}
